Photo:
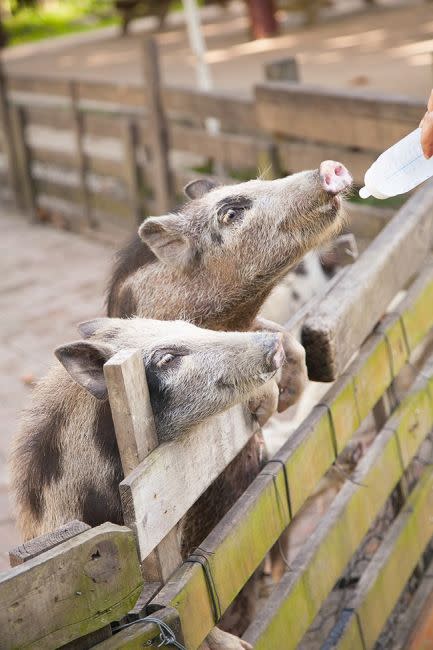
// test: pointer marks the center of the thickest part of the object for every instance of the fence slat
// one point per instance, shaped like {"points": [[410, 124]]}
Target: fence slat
{"points": [[345, 318], [33, 547], [163, 487], [158, 136], [71, 590], [136, 438], [339, 117], [18, 124], [392, 565], [240, 541], [296, 600]]}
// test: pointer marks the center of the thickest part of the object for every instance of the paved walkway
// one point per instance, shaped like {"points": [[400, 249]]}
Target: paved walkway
{"points": [[382, 50], [50, 280]]}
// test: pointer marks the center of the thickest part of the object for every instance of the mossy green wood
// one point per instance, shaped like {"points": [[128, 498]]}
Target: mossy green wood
{"points": [[388, 572], [234, 548], [71, 590], [139, 635], [307, 456], [321, 562], [352, 639]]}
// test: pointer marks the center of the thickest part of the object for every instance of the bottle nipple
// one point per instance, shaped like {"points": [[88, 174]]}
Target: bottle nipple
{"points": [[364, 193]]}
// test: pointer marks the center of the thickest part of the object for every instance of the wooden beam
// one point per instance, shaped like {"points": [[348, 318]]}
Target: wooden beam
{"points": [[33, 547], [163, 487], [338, 117], [18, 125], [238, 544], [296, 600], [384, 579], [162, 177], [142, 633], [235, 114], [345, 318], [74, 589], [136, 438], [78, 131]]}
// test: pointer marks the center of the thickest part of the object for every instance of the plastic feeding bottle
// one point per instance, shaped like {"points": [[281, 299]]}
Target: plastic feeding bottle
{"points": [[399, 169]]}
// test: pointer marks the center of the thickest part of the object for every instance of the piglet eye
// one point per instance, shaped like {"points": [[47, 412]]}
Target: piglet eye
{"points": [[229, 215], [165, 360]]}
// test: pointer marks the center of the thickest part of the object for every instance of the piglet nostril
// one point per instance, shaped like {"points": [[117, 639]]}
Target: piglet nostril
{"points": [[334, 177]]}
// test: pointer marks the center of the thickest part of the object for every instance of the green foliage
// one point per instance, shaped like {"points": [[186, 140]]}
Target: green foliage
{"points": [[58, 18]]}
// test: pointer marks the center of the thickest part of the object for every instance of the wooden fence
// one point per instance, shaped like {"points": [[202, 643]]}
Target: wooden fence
{"points": [[70, 593], [100, 156]]}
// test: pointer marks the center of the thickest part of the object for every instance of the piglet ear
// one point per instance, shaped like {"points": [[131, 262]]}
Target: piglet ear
{"points": [[84, 361], [165, 238], [198, 188], [89, 327]]}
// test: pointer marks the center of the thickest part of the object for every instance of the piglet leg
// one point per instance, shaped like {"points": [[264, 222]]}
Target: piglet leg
{"points": [[293, 375]]}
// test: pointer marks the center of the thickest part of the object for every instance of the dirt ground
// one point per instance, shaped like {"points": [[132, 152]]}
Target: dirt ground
{"points": [[383, 50], [50, 281]]}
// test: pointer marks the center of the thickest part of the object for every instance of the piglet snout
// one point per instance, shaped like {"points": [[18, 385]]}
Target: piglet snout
{"points": [[275, 357], [334, 177]]}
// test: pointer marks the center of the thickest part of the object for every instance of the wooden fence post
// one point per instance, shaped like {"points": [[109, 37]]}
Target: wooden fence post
{"points": [[78, 129], [7, 137], [132, 172], [18, 122], [157, 127], [136, 438]]}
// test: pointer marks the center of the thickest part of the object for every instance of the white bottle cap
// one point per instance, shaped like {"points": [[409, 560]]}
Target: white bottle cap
{"points": [[364, 193]]}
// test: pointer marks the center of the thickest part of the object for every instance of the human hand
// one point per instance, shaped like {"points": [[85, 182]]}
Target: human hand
{"points": [[427, 129]]}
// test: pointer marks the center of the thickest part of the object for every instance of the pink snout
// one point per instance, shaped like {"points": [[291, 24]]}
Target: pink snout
{"points": [[334, 177]]}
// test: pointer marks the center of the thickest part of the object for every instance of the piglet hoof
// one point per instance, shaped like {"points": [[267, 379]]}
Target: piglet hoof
{"points": [[219, 640], [265, 402], [294, 375]]}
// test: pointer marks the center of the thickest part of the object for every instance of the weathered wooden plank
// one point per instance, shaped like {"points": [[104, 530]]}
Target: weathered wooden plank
{"points": [[78, 130], [7, 140], [297, 155], [71, 590], [38, 85], [130, 406], [163, 487], [366, 221], [33, 547], [231, 150], [306, 456], [344, 319], [342, 117], [125, 94], [392, 565], [22, 157], [234, 549], [131, 169], [417, 615], [234, 114], [103, 202], [142, 633], [64, 158], [298, 597], [136, 438]]}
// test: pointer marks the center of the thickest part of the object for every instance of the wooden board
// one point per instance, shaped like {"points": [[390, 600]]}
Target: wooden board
{"points": [[164, 486], [71, 590], [296, 600], [345, 318], [234, 114], [141, 634], [340, 117], [298, 155], [391, 567], [238, 544], [33, 547]]}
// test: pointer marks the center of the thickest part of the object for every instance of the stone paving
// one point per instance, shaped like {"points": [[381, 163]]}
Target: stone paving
{"points": [[50, 280]]}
